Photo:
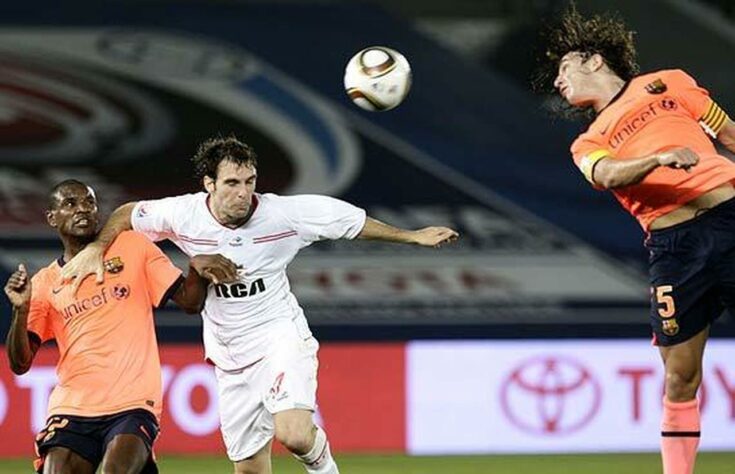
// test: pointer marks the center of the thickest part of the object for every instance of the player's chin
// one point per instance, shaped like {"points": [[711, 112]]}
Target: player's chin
{"points": [[88, 231], [240, 213], [573, 101]]}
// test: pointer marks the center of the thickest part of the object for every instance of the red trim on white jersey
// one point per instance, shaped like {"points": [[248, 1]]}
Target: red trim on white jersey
{"points": [[273, 237], [192, 240]]}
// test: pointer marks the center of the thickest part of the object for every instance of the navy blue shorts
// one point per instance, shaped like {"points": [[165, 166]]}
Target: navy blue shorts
{"points": [[692, 274], [89, 436]]}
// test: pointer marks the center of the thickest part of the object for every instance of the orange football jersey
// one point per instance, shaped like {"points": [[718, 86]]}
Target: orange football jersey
{"points": [[106, 337], [653, 113]]}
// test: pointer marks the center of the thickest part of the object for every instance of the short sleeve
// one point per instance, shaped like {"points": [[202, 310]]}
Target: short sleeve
{"points": [[586, 153], [699, 104], [322, 217], [155, 218], [161, 275], [40, 310]]}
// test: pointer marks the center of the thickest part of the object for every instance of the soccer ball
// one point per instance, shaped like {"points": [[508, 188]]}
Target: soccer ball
{"points": [[377, 78]]}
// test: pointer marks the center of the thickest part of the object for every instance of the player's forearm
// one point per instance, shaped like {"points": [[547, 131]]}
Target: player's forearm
{"points": [[191, 294], [376, 230], [727, 135], [614, 173], [119, 222], [20, 353]]}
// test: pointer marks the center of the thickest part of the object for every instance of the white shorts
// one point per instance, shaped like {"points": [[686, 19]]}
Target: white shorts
{"points": [[284, 379]]}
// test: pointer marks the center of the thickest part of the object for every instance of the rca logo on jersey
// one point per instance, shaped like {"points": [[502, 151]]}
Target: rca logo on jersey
{"points": [[239, 290], [656, 87]]}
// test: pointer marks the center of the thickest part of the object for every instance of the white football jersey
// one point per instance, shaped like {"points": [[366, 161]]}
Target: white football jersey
{"points": [[241, 319]]}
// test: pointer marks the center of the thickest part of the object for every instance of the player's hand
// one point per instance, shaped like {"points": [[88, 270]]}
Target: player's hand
{"points": [[678, 158], [18, 287], [434, 236], [215, 268], [87, 262]]}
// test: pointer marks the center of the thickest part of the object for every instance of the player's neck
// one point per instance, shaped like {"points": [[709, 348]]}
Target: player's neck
{"points": [[74, 245], [608, 91]]}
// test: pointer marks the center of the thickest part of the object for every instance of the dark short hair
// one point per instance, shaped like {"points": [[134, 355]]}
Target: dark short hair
{"points": [[215, 150], [53, 194], [606, 35]]}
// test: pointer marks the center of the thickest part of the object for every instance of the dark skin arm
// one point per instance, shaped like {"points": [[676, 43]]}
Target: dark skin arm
{"points": [[21, 345], [190, 295]]}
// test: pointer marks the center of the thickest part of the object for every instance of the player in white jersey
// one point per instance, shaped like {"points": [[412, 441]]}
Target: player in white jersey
{"points": [[255, 332]]}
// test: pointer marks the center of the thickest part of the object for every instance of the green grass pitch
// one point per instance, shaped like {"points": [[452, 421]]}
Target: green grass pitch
{"points": [[707, 463]]}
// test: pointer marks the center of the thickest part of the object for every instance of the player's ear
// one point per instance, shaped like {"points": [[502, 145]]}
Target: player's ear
{"points": [[51, 218], [595, 62], [208, 183]]}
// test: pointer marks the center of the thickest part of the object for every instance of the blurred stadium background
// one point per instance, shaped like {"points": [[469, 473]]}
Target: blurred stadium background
{"points": [[528, 338]]}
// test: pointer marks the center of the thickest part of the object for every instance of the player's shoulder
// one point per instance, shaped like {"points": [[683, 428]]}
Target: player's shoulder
{"points": [[280, 200], [295, 203], [656, 82], [190, 198], [586, 142], [128, 242], [184, 202], [47, 276], [275, 206]]}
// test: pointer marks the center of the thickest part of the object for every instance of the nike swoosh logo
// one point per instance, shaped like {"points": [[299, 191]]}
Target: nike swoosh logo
{"points": [[57, 290], [604, 130]]}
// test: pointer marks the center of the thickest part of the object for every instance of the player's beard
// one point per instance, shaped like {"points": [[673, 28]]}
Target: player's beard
{"points": [[237, 214]]}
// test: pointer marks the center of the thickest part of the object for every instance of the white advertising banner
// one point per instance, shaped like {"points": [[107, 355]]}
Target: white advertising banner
{"points": [[553, 396]]}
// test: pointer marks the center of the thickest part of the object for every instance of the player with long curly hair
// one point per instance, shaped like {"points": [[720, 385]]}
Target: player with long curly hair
{"points": [[650, 144]]}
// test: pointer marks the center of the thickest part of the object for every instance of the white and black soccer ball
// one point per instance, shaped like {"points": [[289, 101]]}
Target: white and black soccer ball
{"points": [[377, 78]]}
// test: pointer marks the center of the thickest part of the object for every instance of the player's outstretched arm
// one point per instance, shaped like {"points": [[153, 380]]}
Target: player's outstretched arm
{"points": [[191, 294], [89, 260], [21, 345], [428, 236], [612, 173]]}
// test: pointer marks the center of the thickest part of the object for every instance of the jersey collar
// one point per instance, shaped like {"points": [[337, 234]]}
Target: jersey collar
{"points": [[616, 96]]}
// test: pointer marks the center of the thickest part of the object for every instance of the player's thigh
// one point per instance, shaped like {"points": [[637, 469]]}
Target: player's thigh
{"points": [[125, 453], [68, 440], [245, 424], [686, 357], [685, 297], [258, 463], [128, 442], [59, 460], [291, 376]]}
